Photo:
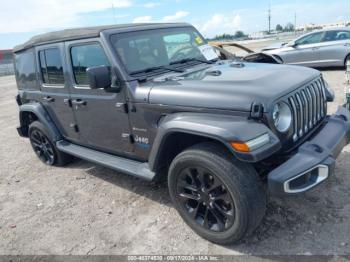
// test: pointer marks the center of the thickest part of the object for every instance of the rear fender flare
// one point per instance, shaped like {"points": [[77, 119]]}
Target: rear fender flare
{"points": [[39, 111]]}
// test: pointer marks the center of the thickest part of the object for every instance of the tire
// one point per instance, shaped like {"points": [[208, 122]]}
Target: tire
{"points": [[346, 59], [44, 146], [210, 164]]}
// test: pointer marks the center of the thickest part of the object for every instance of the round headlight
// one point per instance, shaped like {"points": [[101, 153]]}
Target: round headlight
{"points": [[282, 117]]}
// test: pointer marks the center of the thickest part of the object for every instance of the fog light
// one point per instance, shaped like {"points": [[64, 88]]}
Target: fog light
{"points": [[306, 180]]}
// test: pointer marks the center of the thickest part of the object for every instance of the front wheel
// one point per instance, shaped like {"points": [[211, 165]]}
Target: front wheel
{"points": [[220, 198]]}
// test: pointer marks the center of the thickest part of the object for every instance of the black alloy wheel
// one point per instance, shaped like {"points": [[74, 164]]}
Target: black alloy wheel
{"points": [[221, 198], [205, 199], [42, 147]]}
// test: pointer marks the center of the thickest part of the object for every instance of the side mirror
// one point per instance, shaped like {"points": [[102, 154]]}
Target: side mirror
{"points": [[292, 44], [99, 77]]}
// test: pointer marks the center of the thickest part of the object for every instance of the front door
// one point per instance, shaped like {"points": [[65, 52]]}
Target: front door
{"points": [[305, 52], [55, 90], [103, 122]]}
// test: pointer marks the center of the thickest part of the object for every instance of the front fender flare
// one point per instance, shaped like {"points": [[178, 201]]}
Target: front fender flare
{"points": [[40, 112], [222, 128]]}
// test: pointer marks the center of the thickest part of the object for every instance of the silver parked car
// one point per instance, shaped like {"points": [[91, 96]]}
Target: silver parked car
{"points": [[324, 48]]}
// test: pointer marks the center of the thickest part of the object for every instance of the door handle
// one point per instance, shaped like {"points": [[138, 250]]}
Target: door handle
{"points": [[79, 102], [347, 44], [315, 48], [49, 99]]}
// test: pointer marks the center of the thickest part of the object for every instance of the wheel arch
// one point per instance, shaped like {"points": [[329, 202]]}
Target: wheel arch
{"points": [[175, 142], [179, 131], [29, 113], [346, 58]]}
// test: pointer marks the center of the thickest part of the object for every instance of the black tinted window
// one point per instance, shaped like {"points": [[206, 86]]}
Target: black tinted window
{"points": [[51, 66], [85, 56]]}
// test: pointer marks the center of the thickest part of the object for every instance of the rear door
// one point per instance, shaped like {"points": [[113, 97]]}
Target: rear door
{"points": [[306, 51], [102, 118], [335, 47], [54, 89]]}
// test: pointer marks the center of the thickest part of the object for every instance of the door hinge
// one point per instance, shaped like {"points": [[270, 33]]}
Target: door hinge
{"points": [[123, 106], [129, 136], [75, 127], [68, 102]]}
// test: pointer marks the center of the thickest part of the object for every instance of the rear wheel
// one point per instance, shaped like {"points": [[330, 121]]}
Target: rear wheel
{"points": [[44, 147], [220, 198]]}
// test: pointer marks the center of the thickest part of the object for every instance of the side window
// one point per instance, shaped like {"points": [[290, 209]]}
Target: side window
{"points": [[85, 56], [336, 36], [51, 66], [342, 35], [310, 39], [25, 70]]}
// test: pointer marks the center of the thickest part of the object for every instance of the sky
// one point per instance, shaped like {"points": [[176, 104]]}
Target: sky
{"points": [[21, 19]]}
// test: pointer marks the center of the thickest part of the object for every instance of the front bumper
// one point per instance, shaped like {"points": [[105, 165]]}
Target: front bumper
{"points": [[315, 159]]}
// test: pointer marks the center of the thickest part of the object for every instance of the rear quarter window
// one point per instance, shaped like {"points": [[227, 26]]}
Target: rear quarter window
{"points": [[25, 70]]}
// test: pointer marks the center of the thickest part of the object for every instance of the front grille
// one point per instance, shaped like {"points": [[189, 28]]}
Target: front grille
{"points": [[309, 107]]}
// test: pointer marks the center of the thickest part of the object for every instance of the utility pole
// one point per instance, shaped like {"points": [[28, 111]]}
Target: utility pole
{"points": [[269, 17], [295, 23], [113, 11]]}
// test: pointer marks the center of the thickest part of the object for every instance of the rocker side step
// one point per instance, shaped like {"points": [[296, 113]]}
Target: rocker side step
{"points": [[130, 167]]}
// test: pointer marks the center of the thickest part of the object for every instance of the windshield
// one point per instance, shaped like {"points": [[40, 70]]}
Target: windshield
{"points": [[161, 48]]}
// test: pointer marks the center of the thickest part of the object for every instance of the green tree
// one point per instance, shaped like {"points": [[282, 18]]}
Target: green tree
{"points": [[279, 28], [289, 27], [239, 34]]}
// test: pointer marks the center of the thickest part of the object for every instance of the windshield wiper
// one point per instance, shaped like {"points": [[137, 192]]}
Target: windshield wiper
{"points": [[151, 69], [185, 60]]}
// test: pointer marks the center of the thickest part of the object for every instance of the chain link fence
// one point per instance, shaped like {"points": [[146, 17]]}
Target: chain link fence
{"points": [[7, 69]]}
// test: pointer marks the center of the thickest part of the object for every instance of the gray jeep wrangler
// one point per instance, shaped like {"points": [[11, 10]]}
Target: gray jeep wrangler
{"points": [[155, 101]]}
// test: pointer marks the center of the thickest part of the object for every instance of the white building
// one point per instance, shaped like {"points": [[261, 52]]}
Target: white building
{"points": [[311, 26]]}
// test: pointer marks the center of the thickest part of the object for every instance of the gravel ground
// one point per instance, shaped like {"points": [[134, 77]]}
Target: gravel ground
{"points": [[88, 209]]}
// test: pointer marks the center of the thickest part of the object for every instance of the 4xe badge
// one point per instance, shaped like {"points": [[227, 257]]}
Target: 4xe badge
{"points": [[142, 141]]}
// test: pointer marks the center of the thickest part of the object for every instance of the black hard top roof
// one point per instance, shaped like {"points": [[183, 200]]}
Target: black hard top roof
{"points": [[88, 32]]}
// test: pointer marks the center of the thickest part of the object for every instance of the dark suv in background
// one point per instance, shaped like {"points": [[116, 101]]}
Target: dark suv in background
{"points": [[155, 101]]}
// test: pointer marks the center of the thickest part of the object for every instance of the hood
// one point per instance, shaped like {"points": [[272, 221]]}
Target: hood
{"points": [[273, 46], [226, 86]]}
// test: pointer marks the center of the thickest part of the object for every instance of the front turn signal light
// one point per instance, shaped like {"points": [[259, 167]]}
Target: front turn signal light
{"points": [[240, 146], [251, 145]]}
